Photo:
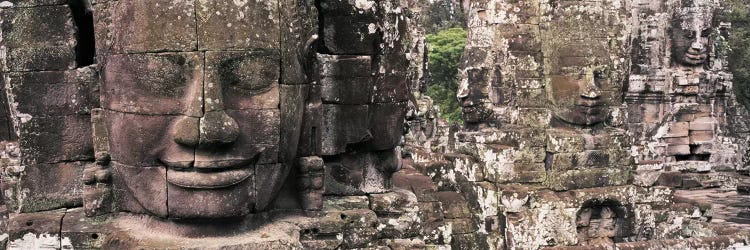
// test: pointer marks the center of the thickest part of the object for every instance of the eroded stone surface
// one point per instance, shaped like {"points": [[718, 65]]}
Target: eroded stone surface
{"points": [[278, 124], [574, 111], [209, 110]]}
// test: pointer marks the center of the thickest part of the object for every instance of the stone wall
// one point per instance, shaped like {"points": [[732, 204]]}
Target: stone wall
{"points": [[581, 116], [50, 97], [541, 166], [683, 114], [327, 89]]}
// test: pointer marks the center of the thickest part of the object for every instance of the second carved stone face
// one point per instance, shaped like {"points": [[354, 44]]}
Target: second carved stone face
{"points": [[473, 98], [579, 73], [690, 36]]}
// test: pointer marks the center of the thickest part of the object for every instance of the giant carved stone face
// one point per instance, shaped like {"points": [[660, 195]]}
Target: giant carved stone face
{"points": [[207, 122], [192, 107], [578, 74], [690, 32]]}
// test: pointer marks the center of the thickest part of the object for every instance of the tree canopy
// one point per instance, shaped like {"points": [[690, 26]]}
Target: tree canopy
{"points": [[446, 48], [739, 45]]}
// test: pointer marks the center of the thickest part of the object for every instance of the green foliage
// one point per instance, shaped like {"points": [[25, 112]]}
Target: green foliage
{"points": [[446, 48], [445, 99], [739, 48]]}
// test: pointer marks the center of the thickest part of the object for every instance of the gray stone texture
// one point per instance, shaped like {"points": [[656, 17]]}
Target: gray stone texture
{"points": [[254, 124]]}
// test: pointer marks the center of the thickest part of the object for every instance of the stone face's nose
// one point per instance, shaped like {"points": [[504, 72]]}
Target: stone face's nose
{"points": [[463, 90], [206, 123], [185, 131], [217, 128], [589, 89], [697, 45]]}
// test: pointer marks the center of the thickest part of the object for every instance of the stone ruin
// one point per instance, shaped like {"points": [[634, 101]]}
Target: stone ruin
{"points": [[599, 124], [280, 124], [205, 124]]}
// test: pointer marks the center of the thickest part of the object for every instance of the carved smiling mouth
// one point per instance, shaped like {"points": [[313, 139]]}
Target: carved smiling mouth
{"points": [[589, 110], [589, 107], [695, 58], [210, 174], [589, 103], [471, 108], [208, 180]]}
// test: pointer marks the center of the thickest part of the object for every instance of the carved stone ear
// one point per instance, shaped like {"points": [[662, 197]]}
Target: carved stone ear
{"points": [[309, 53], [97, 177], [101, 137], [312, 125]]}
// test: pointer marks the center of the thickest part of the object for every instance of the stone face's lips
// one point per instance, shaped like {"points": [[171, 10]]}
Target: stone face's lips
{"points": [[219, 172], [694, 57], [471, 108], [221, 164], [590, 110], [208, 180], [589, 103]]}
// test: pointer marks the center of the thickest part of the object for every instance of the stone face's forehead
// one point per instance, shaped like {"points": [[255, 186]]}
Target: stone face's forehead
{"points": [[238, 24], [187, 25], [583, 54], [694, 18], [580, 35]]}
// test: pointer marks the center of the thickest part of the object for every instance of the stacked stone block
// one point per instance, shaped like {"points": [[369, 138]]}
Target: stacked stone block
{"points": [[341, 66], [446, 214], [681, 112], [49, 100], [363, 88], [513, 143]]}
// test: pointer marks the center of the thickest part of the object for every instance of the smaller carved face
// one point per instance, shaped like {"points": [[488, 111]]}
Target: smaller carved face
{"points": [[473, 101], [477, 94], [578, 75], [690, 37]]}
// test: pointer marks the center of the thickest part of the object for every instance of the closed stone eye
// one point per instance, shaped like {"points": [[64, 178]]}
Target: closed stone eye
{"points": [[689, 33], [247, 73]]}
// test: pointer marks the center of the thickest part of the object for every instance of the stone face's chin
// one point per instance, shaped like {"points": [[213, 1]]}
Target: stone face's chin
{"points": [[200, 193], [470, 114], [232, 201], [475, 114]]}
